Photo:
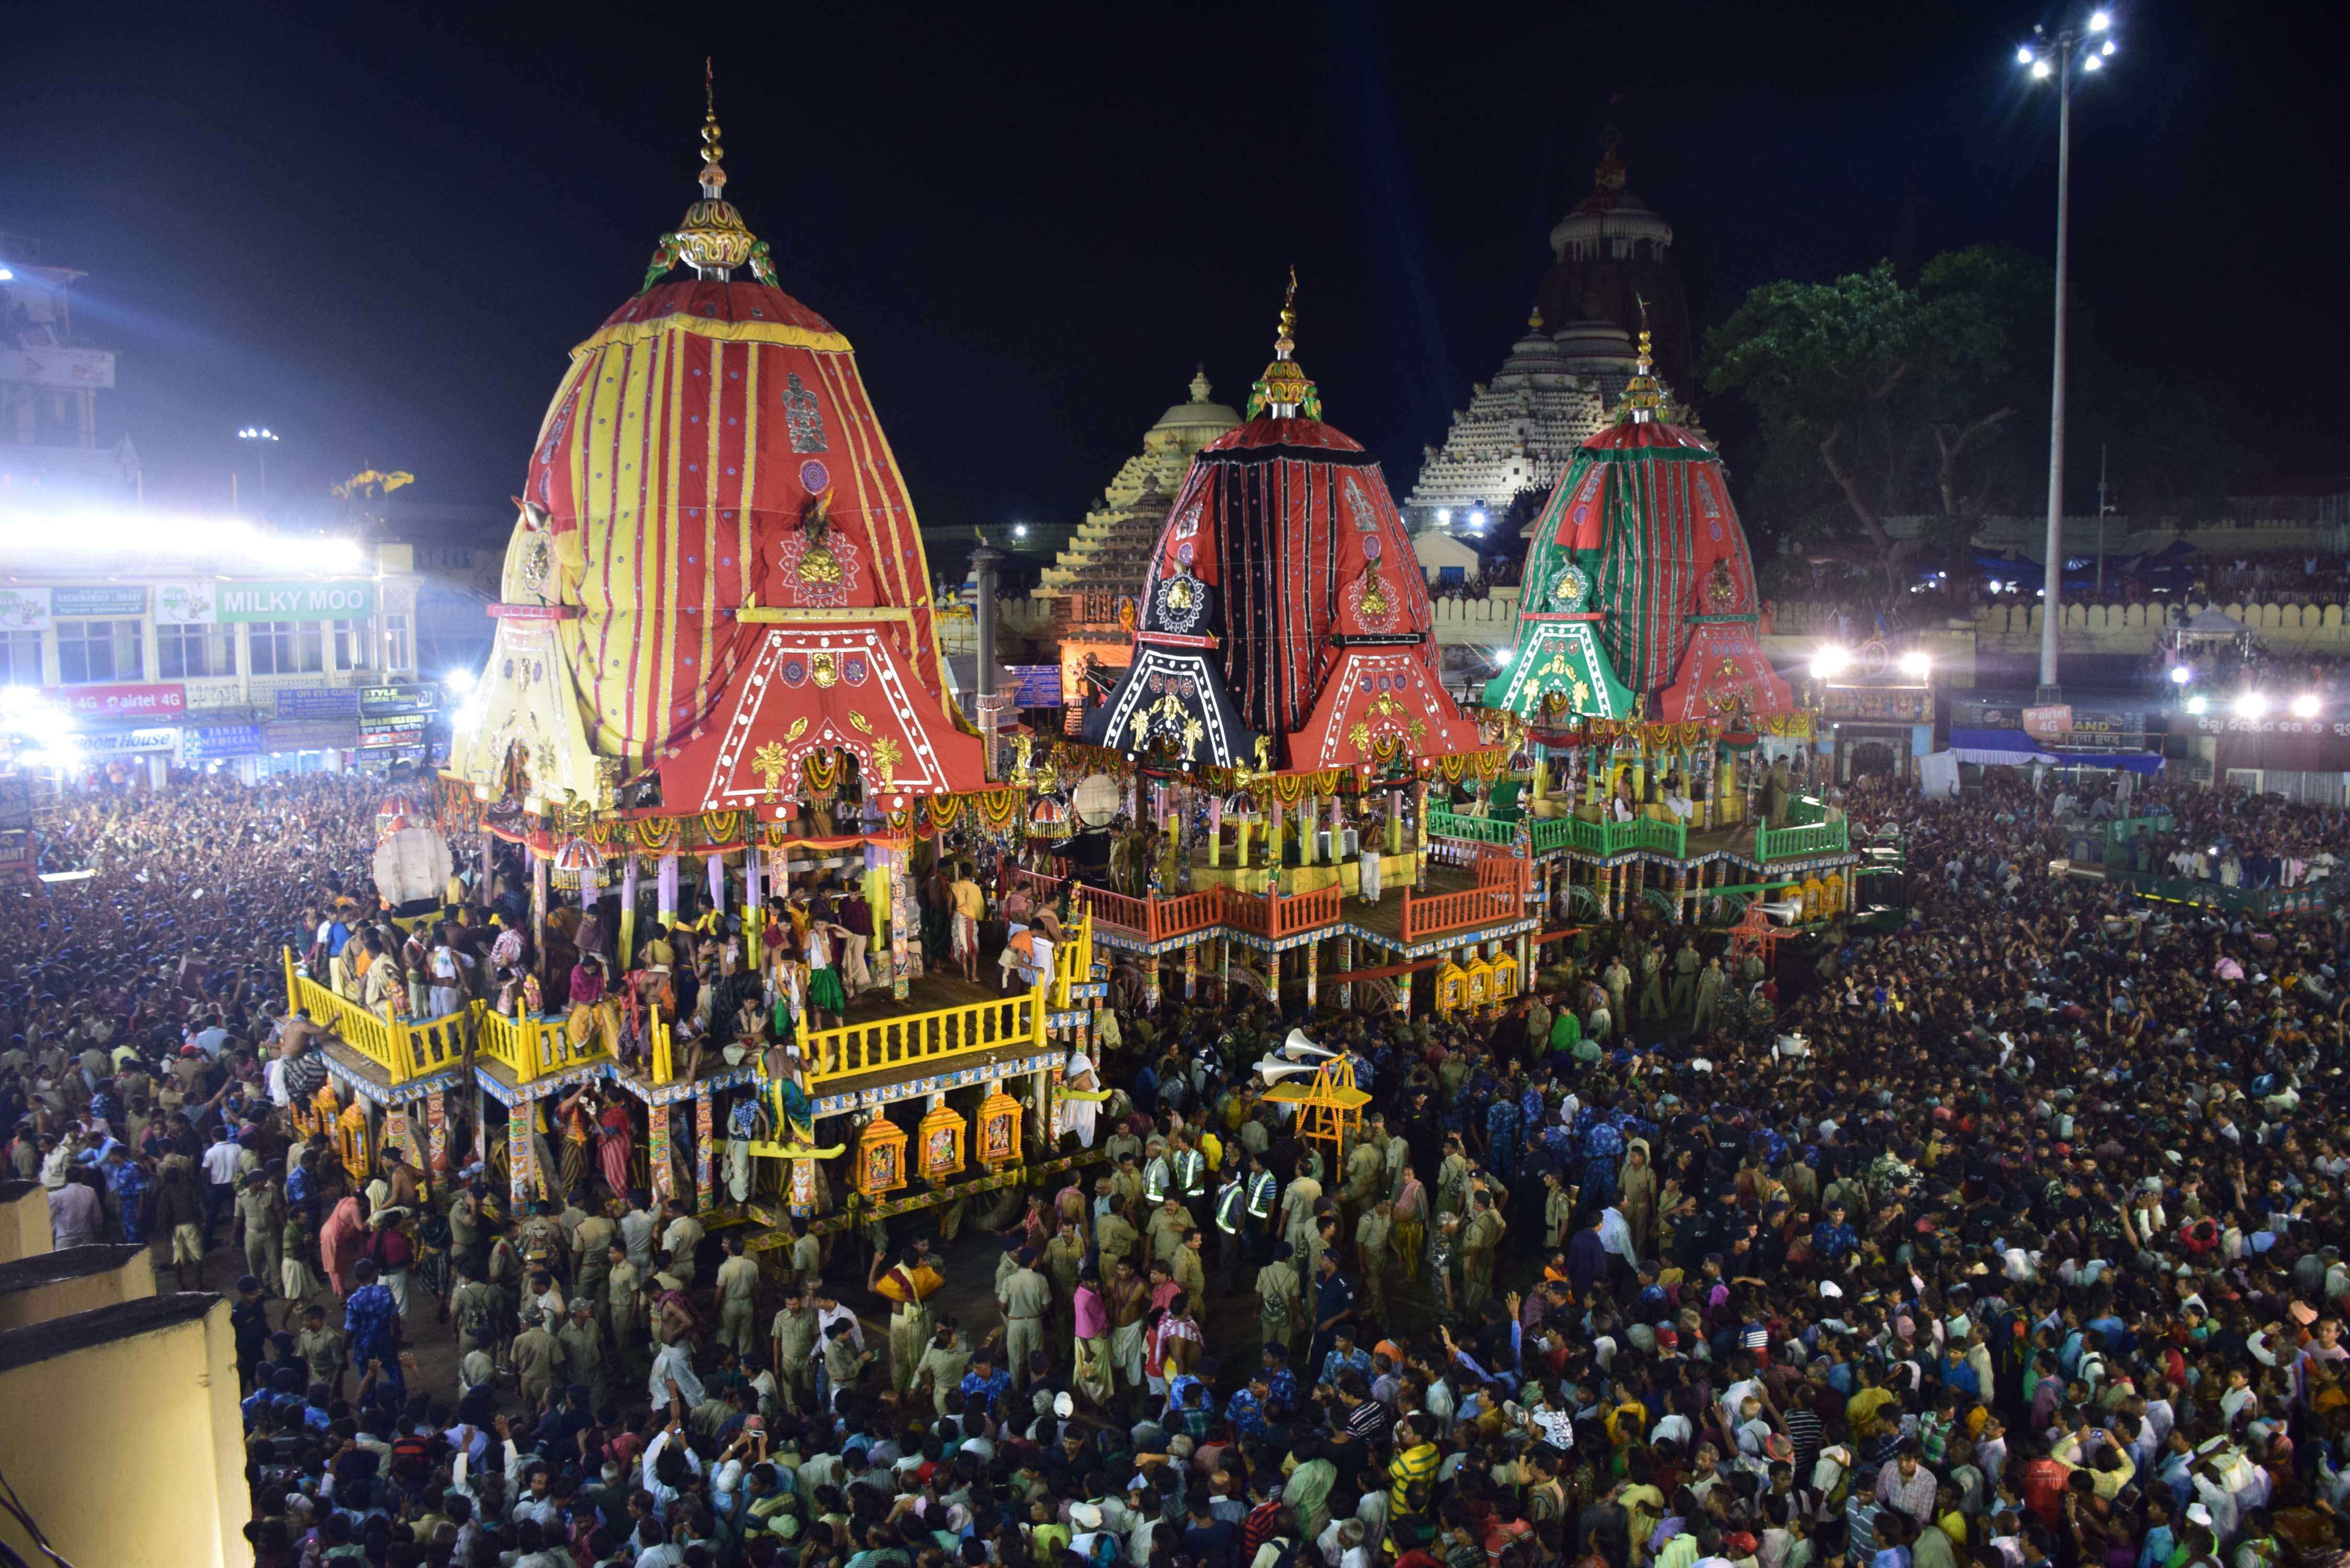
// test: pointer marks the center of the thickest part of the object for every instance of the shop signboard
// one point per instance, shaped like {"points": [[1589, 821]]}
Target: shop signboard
{"points": [[347, 599], [214, 742], [403, 730], [1039, 685], [165, 700], [126, 743], [310, 735], [317, 702], [414, 697], [108, 602]]}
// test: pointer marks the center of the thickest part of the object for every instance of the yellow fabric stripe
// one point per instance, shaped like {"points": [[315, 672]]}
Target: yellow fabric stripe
{"points": [[656, 545], [926, 626], [597, 443], [640, 386], [718, 332], [750, 475], [673, 457], [716, 420], [853, 422], [570, 634]]}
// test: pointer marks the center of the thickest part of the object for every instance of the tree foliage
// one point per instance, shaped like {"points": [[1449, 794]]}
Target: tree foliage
{"points": [[1878, 397]]}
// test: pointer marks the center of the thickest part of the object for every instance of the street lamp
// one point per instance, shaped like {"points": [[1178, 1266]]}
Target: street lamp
{"points": [[263, 439], [2054, 56]]}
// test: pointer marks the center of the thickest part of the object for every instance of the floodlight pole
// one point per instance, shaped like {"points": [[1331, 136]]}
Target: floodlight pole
{"points": [[2051, 610]]}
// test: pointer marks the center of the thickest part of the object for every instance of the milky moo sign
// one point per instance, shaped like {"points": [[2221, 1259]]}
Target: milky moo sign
{"points": [[346, 600]]}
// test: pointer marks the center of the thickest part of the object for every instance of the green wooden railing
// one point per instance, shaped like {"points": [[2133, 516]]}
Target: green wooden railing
{"points": [[1804, 810], [1799, 843], [1476, 829], [1610, 837], [1552, 832], [2314, 897]]}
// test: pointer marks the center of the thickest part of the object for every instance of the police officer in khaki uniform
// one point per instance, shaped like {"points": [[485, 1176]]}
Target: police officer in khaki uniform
{"points": [[1371, 1233], [1478, 1238], [1024, 1296], [792, 1334], [583, 1352]]}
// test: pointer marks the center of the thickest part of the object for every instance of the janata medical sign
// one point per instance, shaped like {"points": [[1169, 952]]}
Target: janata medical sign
{"points": [[346, 600]]}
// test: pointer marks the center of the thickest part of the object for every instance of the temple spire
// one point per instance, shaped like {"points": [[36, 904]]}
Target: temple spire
{"points": [[1283, 389], [1644, 397], [711, 238], [713, 178]]}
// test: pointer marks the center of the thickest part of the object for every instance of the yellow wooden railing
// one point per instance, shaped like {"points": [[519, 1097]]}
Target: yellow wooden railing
{"points": [[406, 1050], [511, 1042], [532, 1047], [663, 1053], [925, 1039], [1073, 962]]}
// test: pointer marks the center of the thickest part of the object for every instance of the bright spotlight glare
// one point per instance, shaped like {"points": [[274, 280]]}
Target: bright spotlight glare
{"points": [[2099, 20], [1444, 515], [2252, 705], [459, 681], [1506, 655], [2023, 55], [7, 276], [2181, 675], [2040, 71], [1830, 661], [2108, 49], [2093, 64], [1917, 664], [81, 535], [2305, 705], [2198, 704]]}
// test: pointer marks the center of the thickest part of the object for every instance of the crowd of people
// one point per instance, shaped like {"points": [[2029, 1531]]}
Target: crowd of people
{"points": [[2011, 1236]]}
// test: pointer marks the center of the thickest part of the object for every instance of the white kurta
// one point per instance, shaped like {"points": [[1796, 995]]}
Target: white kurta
{"points": [[1080, 1114]]}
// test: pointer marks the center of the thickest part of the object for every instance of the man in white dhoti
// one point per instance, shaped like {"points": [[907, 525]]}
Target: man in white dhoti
{"points": [[1370, 861]]}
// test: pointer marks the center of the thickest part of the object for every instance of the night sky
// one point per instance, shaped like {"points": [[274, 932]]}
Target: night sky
{"points": [[381, 231]]}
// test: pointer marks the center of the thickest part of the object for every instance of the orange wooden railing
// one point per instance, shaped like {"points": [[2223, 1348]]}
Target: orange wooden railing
{"points": [[1156, 918], [1188, 912], [1503, 882], [1250, 912], [1303, 912], [1110, 908], [1041, 886]]}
